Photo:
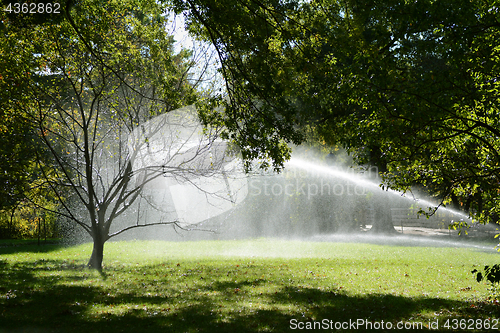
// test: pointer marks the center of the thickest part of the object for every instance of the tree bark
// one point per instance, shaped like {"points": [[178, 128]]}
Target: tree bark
{"points": [[383, 226], [383, 219], [95, 261]]}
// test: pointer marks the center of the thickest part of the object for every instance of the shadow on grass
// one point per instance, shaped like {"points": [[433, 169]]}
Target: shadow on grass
{"points": [[47, 302], [7, 248]]}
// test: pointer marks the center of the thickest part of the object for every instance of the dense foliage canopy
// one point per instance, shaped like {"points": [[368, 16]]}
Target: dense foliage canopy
{"points": [[412, 87]]}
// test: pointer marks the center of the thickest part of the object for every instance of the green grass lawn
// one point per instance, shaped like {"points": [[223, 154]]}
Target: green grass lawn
{"points": [[241, 286]]}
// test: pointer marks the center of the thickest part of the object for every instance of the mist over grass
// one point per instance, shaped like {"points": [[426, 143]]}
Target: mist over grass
{"points": [[237, 286]]}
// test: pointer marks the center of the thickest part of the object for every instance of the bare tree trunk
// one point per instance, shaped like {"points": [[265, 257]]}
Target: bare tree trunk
{"points": [[383, 226], [95, 261], [383, 219]]}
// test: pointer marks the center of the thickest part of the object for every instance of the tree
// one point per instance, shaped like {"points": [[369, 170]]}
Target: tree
{"points": [[411, 87], [19, 143], [17, 148], [107, 84]]}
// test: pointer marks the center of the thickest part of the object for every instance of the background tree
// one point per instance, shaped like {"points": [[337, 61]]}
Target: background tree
{"points": [[19, 143], [410, 87]]}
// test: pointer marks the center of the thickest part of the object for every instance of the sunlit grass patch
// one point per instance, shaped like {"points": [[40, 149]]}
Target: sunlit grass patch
{"points": [[206, 286]]}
